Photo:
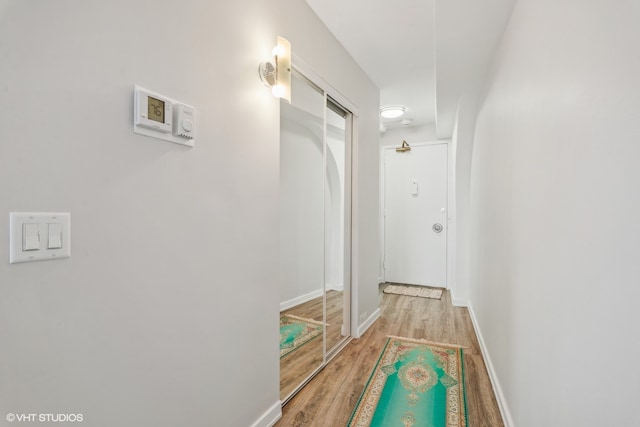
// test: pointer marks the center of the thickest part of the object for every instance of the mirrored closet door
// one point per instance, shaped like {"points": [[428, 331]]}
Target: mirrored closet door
{"points": [[315, 212]]}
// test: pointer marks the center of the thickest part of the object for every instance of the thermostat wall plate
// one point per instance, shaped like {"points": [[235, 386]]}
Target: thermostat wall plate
{"points": [[161, 117]]}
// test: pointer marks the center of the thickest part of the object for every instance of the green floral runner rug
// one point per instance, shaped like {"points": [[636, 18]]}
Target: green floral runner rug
{"points": [[415, 383], [296, 331]]}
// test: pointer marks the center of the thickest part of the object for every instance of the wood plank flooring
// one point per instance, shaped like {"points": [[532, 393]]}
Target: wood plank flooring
{"points": [[328, 400]]}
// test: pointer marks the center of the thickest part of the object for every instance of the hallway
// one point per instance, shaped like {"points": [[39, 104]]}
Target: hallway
{"points": [[166, 313], [330, 397]]}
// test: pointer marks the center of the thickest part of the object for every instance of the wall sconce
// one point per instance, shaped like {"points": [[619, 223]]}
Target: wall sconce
{"points": [[277, 74], [403, 148]]}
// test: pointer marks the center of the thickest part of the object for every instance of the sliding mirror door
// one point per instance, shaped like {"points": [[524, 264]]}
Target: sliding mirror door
{"points": [[301, 235], [315, 232]]}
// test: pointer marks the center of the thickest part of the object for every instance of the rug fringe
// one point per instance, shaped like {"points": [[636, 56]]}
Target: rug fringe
{"points": [[423, 341], [304, 319]]}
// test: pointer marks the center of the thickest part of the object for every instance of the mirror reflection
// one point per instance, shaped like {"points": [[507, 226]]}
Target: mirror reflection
{"points": [[314, 233], [301, 235]]}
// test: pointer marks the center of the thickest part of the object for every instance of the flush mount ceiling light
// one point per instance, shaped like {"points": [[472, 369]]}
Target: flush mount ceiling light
{"points": [[276, 74], [392, 112]]}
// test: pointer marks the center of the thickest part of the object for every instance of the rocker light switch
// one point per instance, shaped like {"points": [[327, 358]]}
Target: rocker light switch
{"points": [[30, 237], [38, 236], [55, 236]]}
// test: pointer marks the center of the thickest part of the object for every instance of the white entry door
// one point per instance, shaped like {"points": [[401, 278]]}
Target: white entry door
{"points": [[415, 215]]}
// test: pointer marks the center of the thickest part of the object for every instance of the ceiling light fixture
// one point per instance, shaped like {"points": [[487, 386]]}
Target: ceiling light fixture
{"points": [[392, 112]]}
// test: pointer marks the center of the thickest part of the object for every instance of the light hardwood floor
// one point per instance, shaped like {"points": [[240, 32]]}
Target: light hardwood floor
{"points": [[328, 400]]}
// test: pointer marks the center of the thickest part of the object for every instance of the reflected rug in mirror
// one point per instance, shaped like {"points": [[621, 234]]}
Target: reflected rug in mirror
{"points": [[415, 383], [296, 331], [413, 291]]}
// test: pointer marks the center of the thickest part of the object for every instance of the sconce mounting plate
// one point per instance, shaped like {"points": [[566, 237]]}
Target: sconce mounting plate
{"points": [[267, 73]]}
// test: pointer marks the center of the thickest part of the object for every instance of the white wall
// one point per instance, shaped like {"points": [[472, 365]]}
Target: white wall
{"points": [[395, 136], [167, 311], [335, 200], [462, 147], [466, 35], [555, 208]]}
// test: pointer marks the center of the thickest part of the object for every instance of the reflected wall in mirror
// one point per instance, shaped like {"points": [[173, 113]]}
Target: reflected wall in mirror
{"points": [[315, 202]]}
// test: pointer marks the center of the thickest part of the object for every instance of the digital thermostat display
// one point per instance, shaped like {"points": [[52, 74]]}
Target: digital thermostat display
{"points": [[155, 109]]}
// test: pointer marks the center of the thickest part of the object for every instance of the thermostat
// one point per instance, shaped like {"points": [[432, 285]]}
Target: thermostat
{"points": [[161, 117], [153, 111]]}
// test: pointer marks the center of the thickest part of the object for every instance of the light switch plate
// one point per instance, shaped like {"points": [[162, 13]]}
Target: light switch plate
{"points": [[54, 230], [414, 188]]}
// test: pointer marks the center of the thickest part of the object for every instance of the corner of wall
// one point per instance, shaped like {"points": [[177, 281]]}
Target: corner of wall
{"points": [[458, 301], [270, 417], [367, 323]]}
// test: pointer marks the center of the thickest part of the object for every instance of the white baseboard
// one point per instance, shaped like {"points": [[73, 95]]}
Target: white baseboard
{"points": [[335, 287], [367, 323], [269, 418], [502, 402], [300, 300], [458, 302]]}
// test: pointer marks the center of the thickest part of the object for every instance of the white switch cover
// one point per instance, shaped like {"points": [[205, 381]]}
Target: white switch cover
{"points": [[30, 236], [39, 236], [55, 236]]}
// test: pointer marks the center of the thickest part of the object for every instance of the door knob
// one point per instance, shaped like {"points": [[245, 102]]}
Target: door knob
{"points": [[437, 228]]}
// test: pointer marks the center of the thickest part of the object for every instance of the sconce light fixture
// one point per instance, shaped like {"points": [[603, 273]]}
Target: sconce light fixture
{"points": [[404, 147], [276, 74]]}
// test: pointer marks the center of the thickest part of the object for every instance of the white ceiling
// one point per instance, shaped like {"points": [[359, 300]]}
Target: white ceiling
{"points": [[422, 54]]}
